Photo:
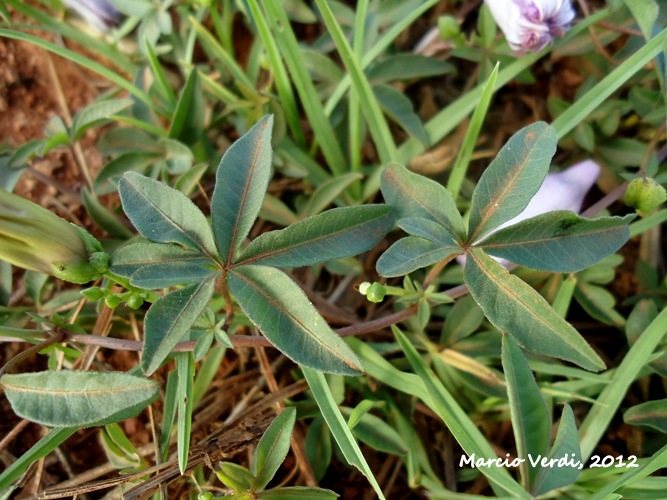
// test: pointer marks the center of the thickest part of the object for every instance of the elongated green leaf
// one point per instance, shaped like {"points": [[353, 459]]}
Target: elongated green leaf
{"points": [[334, 234], [650, 414], [236, 477], [512, 178], [77, 398], [297, 493], [377, 433], [185, 369], [566, 450], [400, 109], [413, 195], [104, 217], [164, 215], [241, 181], [96, 114], [169, 319], [327, 192], [43, 447], [514, 307], [272, 448], [283, 313], [407, 66], [461, 426], [428, 229], [560, 241], [130, 258], [164, 275], [341, 432], [411, 253], [134, 161], [530, 416], [187, 123]]}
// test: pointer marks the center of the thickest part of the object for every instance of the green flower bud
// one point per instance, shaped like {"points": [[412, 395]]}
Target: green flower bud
{"points": [[112, 301], [34, 238], [94, 293], [644, 194], [135, 301], [374, 292]]}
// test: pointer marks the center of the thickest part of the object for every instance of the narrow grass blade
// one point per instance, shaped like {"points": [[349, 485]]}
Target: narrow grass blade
{"points": [[341, 432], [280, 74], [289, 46], [185, 372], [43, 447], [460, 167], [575, 114], [377, 125], [462, 428], [93, 66], [600, 415]]}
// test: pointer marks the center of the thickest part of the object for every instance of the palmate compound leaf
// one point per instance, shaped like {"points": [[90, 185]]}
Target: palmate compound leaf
{"points": [[514, 307], [240, 186], [170, 318], [512, 179], [163, 214], [283, 313], [560, 241], [334, 234], [413, 195], [77, 398]]}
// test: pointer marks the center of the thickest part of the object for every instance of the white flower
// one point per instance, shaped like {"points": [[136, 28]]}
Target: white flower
{"points": [[560, 191], [530, 25], [101, 14]]}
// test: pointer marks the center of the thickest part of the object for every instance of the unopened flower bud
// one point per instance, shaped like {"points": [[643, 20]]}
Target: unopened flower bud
{"points": [[644, 195], [374, 292], [34, 238]]}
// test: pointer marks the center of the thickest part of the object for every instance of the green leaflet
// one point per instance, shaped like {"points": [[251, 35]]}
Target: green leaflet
{"points": [[169, 319], [560, 241], [515, 308], [413, 195], [272, 448], [334, 234], [163, 214], [240, 184], [286, 317], [77, 398], [512, 178], [411, 253]]}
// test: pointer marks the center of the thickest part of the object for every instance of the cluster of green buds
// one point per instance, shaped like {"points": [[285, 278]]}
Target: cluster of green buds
{"points": [[134, 299], [34, 238]]}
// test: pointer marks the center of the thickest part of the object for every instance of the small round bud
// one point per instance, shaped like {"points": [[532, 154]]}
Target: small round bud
{"points": [[376, 292], [135, 301], [93, 294], [112, 301], [449, 28], [363, 287], [644, 194]]}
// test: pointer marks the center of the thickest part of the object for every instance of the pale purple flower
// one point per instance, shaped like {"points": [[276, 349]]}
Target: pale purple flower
{"points": [[560, 191], [530, 25], [101, 14]]}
